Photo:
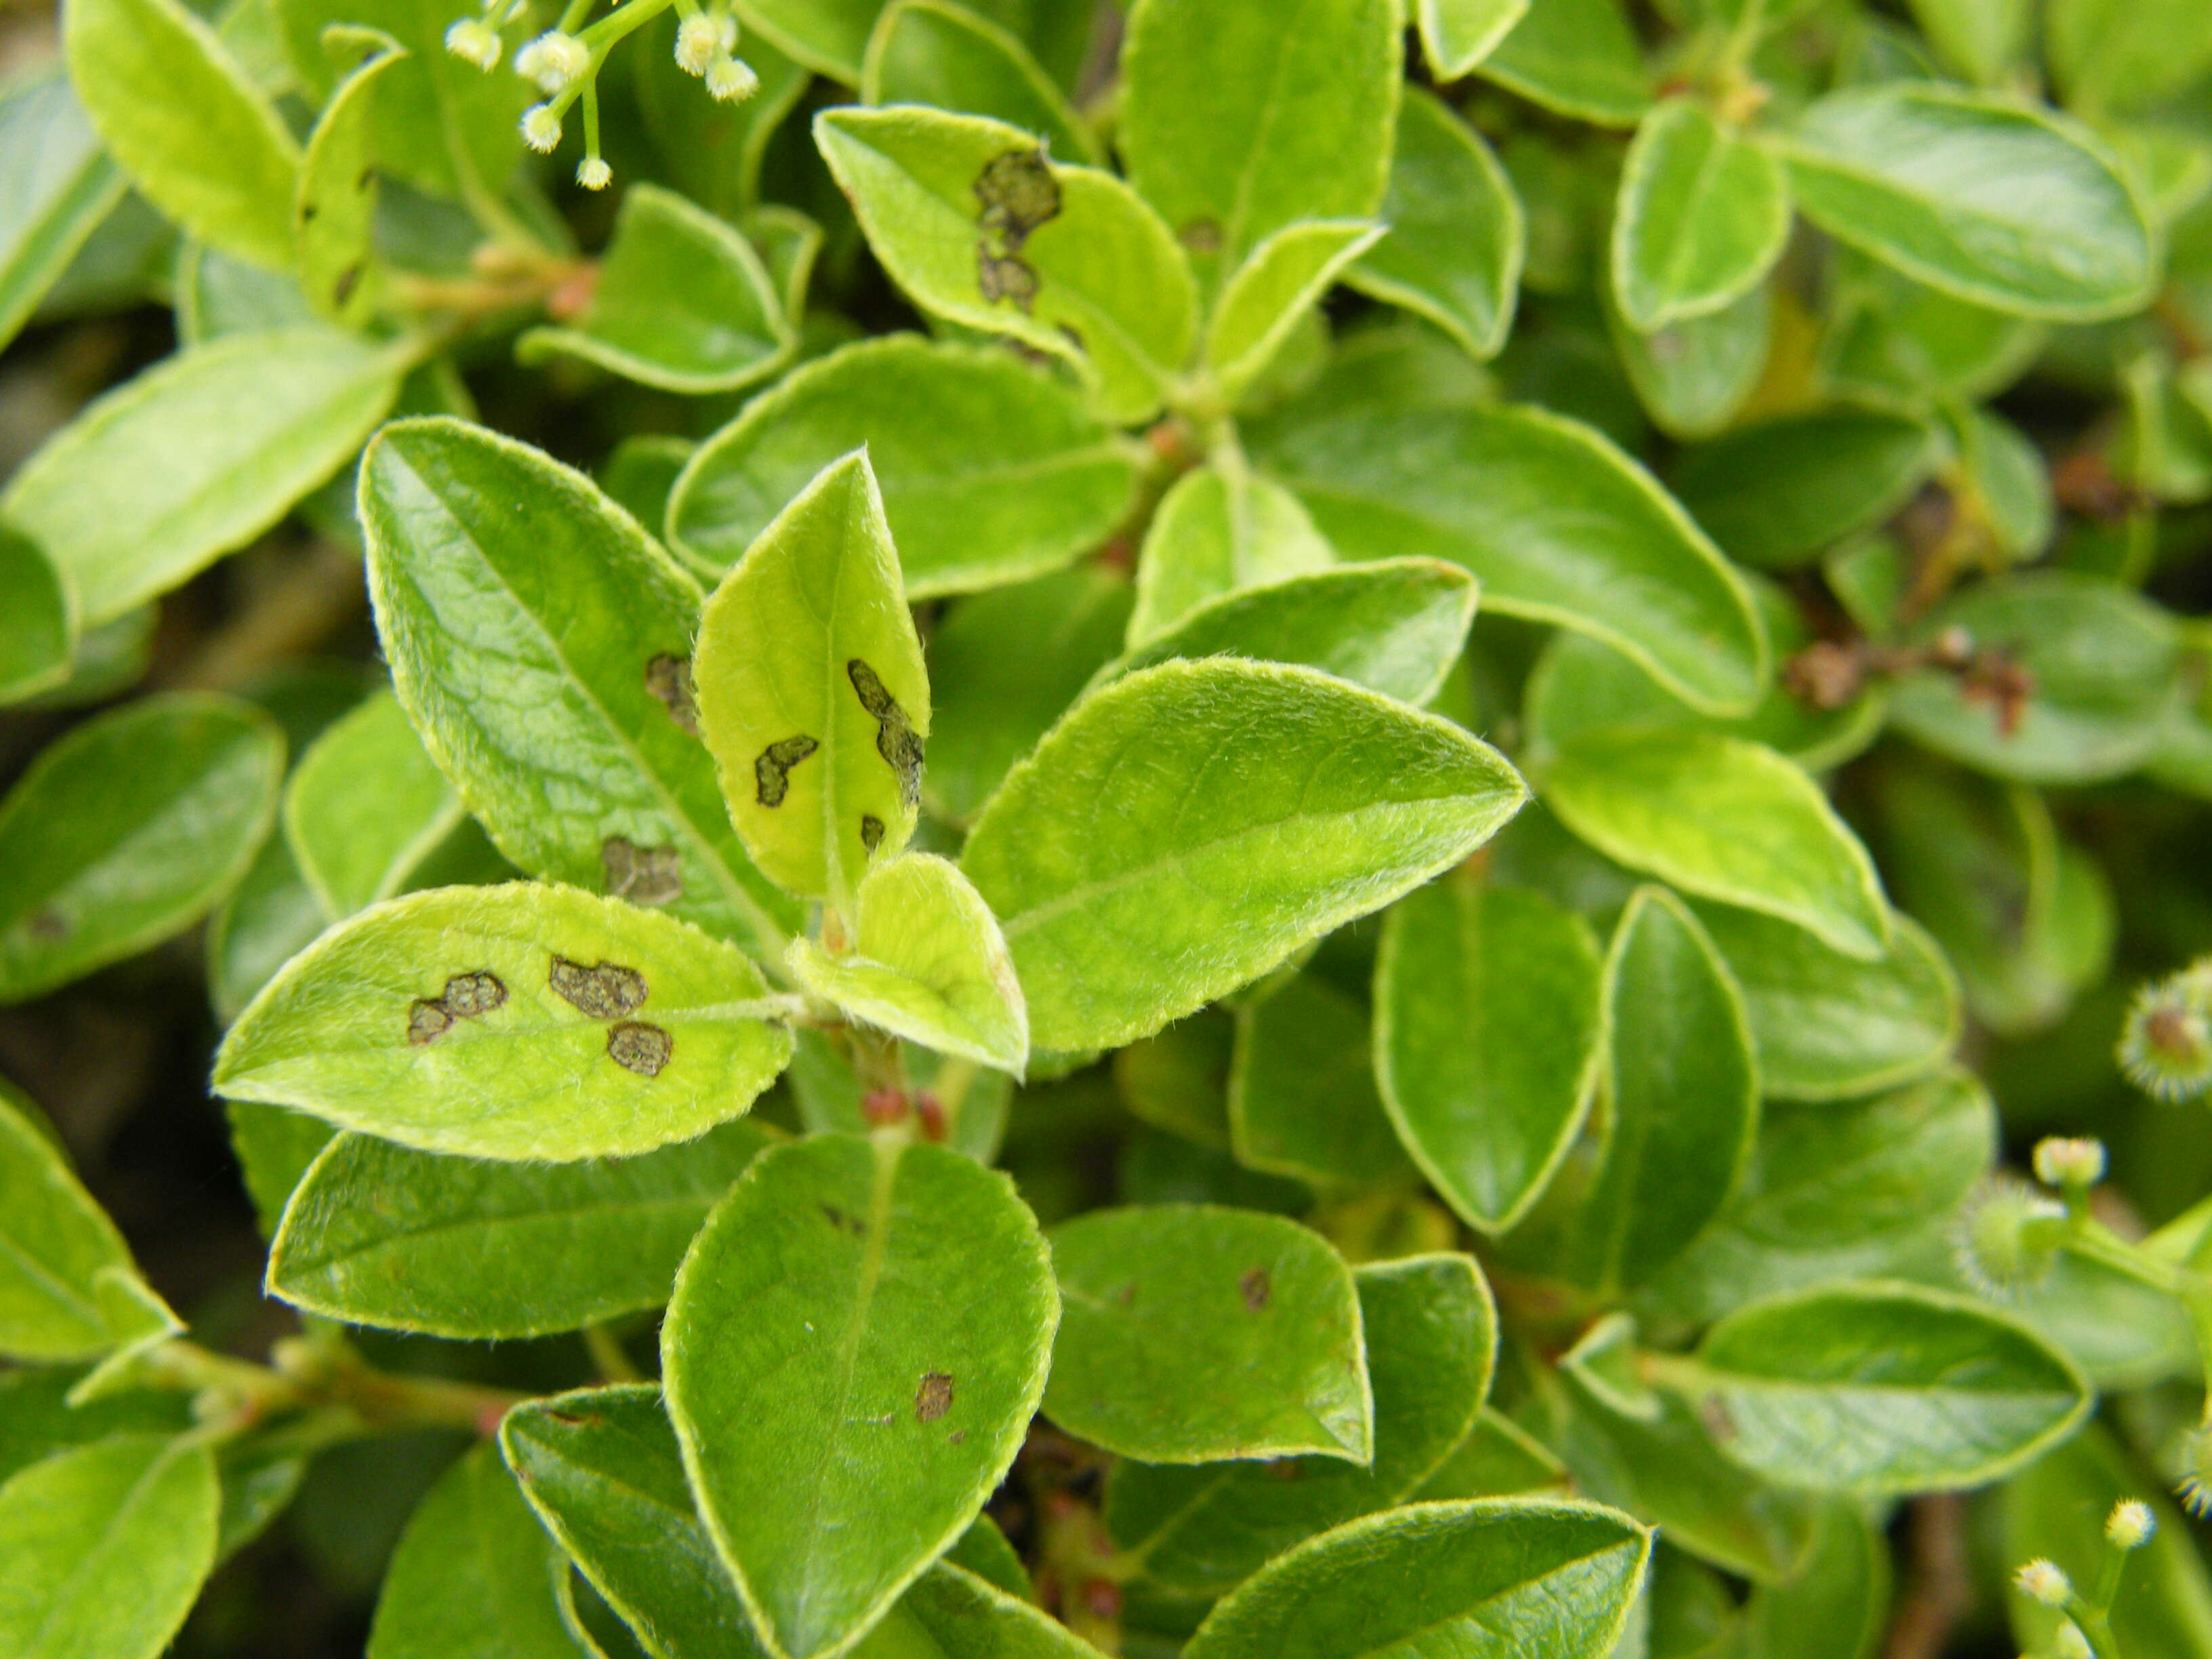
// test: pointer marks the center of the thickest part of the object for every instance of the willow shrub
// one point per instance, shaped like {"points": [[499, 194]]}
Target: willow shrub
{"points": [[1263, 850]]}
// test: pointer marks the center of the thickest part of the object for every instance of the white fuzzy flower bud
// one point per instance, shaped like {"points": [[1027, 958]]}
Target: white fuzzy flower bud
{"points": [[474, 41], [2044, 1581], [553, 60], [541, 129], [2130, 1523], [731, 80], [593, 173], [698, 40], [2063, 1160]]}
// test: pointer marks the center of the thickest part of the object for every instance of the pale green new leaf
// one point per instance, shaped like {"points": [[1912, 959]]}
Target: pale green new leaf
{"points": [[990, 471], [856, 1345], [1458, 34], [1219, 529], [1487, 1029], [364, 807], [1194, 1333], [1702, 218], [927, 962], [379, 1234], [128, 830], [334, 219], [106, 1546], [1575, 58], [1302, 1097], [519, 1022], [812, 697], [179, 115], [1497, 1578], [1281, 281], [1256, 807], [978, 225], [56, 185], [1884, 1387], [937, 53], [1723, 818], [196, 457], [38, 619]]}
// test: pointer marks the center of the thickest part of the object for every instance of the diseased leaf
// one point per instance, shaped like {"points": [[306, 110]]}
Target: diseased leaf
{"points": [[1218, 530], [364, 807], [519, 1022], [334, 217], [1194, 1333], [1574, 57], [812, 697], [936, 52], [972, 1102], [1780, 492], [37, 620], [128, 830], [1301, 1097], [1702, 216], [60, 184], [1281, 281], [1259, 807], [857, 1342]]}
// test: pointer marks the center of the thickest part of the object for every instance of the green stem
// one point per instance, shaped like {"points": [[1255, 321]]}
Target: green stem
{"points": [[613, 1363]]}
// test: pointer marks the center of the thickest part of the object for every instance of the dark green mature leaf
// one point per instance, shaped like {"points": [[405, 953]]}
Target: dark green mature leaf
{"points": [[1259, 807], [1396, 626], [1836, 1604], [1457, 232], [1302, 1099], [1726, 819], [1702, 216], [1431, 1337], [2100, 663], [106, 1545], [518, 1021], [1220, 528], [379, 1234], [60, 184], [1993, 201], [1693, 376], [1487, 1025], [1681, 1094], [271, 916], [1235, 124], [813, 695], [978, 226], [196, 457], [37, 620], [990, 471], [474, 1573], [956, 1612], [364, 807], [1575, 58], [936, 52], [1777, 492], [1884, 1387], [1482, 1580], [1557, 523], [856, 1344], [177, 111], [533, 632], [127, 830], [1195, 1333], [681, 302], [1495, 1458], [1178, 1080]]}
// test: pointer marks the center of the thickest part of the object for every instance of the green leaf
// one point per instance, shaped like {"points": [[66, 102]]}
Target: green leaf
{"points": [[1574, 57], [1236, 121], [1487, 1028], [1885, 1387], [812, 697], [1396, 626], [179, 114], [827, 36], [1780, 492], [1302, 1099], [1281, 281], [38, 621], [1726, 819], [1456, 233], [1694, 377], [1557, 523], [196, 457], [1458, 34], [274, 1148], [1992, 201], [1219, 529], [936, 52], [1003, 666], [1838, 1190], [1836, 1604], [856, 1345], [973, 1101], [1827, 1026], [106, 1545], [927, 962], [2100, 664], [1495, 1458], [990, 471], [364, 807], [334, 219], [474, 1573], [1194, 1333], [1702, 216], [1983, 40], [1680, 1092], [1481, 1580], [1430, 1336], [1257, 807], [2107, 57], [1178, 1080], [518, 1021], [681, 302], [533, 631], [128, 830], [37, 1419], [379, 1234], [958, 1615], [979, 227], [61, 185]]}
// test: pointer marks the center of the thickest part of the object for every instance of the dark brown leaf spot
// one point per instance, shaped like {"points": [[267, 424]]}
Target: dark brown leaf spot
{"points": [[896, 740], [349, 279], [1004, 277], [643, 875], [1202, 236], [48, 923], [1713, 1411], [1257, 1289], [1018, 193], [427, 1021], [772, 771], [468, 995], [843, 1222], [636, 1047], [934, 1397], [610, 991], [668, 677], [871, 831]]}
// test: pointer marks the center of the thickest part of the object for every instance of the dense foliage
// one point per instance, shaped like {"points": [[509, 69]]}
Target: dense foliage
{"points": [[1268, 830]]}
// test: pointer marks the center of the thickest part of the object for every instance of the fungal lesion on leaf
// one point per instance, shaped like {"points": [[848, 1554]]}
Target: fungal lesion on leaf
{"points": [[1255, 1288], [1017, 192], [606, 991], [772, 771], [637, 1047], [643, 875], [466, 996], [1201, 235], [668, 677], [896, 740], [1004, 277], [934, 1398], [871, 831]]}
